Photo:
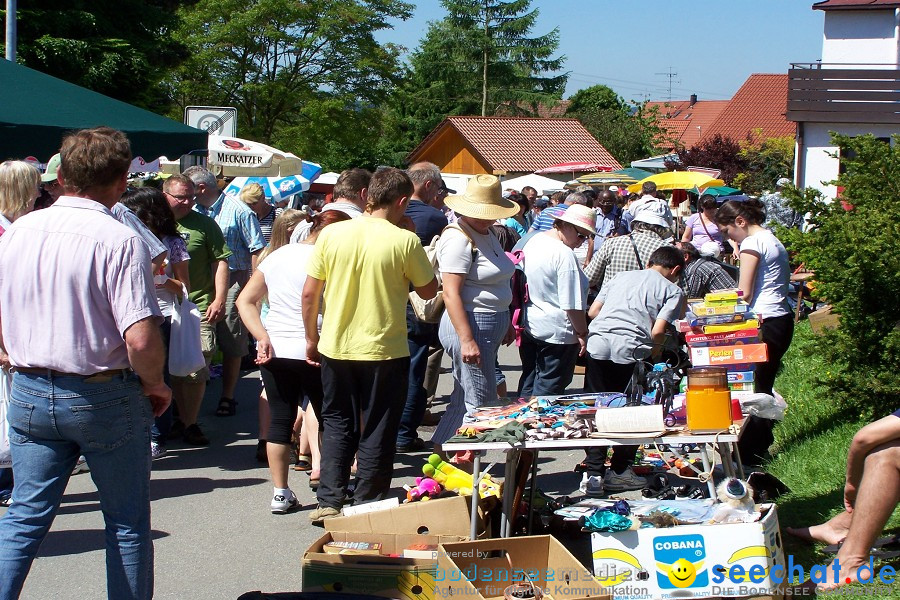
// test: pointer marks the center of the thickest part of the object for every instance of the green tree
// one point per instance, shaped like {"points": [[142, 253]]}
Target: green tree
{"points": [[288, 66], [596, 97], [767, 160], [629, 132], [853, 247], [121, 48]]}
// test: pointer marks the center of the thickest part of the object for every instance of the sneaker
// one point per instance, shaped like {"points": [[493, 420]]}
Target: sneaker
{"points": [[157, 451], [281, 505], [194, 436], [592, 485], [623, 482], [5, 499], [321, 513], [81, 466]]}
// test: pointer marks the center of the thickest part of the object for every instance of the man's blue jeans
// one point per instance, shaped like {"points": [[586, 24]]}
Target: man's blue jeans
{"points": [[420, 337], [52, 420]]}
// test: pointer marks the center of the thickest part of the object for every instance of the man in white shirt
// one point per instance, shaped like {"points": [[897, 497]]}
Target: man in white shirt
{"points": [[350, 196]]}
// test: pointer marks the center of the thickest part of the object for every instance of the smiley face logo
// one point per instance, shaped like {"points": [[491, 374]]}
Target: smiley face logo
{"points": [[682, 573]]}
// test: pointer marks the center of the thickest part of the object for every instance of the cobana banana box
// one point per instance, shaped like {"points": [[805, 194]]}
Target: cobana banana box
{"points": [[691, 561]]}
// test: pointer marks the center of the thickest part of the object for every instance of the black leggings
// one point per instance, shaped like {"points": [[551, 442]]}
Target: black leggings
{"points": [[288, 381], [757, 436], [607, 376]]}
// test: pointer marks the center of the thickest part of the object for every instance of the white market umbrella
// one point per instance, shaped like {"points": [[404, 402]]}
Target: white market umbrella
{"points": [[539, 182], [275, 188], [236, 157]]}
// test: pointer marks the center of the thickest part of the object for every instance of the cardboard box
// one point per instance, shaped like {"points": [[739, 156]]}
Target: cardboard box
{"points": [[639, 564], [742, 386], [728, 355], [703, 309], [728, 338], [741, 376], [483, 569], [823, 319], [431, 522]]}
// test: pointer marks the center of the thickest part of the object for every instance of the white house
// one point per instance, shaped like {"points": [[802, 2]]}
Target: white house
{"points": [[853, 90]]}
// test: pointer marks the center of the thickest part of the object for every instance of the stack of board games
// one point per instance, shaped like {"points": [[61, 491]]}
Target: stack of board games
{"points": [[723, 331]]}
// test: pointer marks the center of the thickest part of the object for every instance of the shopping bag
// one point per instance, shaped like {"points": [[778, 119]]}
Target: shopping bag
{"points": [[185, 349], [5, 390]]}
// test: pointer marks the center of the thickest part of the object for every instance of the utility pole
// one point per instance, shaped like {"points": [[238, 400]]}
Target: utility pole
{"points": [[671, 75], [485, 56], [11, 30]]}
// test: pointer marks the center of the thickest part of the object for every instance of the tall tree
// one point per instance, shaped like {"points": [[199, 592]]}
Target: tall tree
{"points": [[121, 48], [513, 67], [280, 62]]}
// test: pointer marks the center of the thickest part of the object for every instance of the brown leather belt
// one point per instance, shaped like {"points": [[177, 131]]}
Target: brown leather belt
{"points": [[100, 377]]}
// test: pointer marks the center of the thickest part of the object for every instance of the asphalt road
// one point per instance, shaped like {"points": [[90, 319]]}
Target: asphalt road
{"points": [[213, 533]]}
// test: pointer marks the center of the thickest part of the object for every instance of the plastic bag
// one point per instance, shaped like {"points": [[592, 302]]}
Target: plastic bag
{"points": [[185, 349], [764, 406], [5, 390]]}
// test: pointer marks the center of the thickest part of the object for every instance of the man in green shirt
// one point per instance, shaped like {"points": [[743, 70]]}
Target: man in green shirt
{"points": [[208, 271]]}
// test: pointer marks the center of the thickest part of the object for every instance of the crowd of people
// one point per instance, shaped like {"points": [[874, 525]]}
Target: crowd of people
{"points": [[325, 296]]}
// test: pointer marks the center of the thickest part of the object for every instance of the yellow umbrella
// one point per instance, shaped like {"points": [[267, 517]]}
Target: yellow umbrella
{"points": [[678, 180]]}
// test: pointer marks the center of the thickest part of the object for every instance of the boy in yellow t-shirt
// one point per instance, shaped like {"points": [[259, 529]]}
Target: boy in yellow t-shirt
{"points": [[368, 265]]}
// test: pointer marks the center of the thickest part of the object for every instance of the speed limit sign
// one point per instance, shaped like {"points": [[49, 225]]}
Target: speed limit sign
{"points": [[215, 120]]}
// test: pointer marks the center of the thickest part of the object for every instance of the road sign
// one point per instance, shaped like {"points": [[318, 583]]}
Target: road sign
{"points": [[216, 120]]}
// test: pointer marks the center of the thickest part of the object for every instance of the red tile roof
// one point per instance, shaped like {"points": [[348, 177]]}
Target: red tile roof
{"points": [[522, 144], [759, 104], [687, 123], [855, 4]]}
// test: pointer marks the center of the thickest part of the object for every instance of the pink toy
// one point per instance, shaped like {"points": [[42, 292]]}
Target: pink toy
{"points": [[426, 488]]}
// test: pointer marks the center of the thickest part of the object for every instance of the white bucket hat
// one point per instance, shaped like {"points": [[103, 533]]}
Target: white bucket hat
{"points": [[583, 218], [483, 199], [653, 213]]}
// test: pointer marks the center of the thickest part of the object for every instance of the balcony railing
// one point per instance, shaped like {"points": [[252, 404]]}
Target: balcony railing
{"points": [[832, 93]]}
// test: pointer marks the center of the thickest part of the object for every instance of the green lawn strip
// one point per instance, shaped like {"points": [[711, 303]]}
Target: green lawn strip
{"points": [[810, 454]]}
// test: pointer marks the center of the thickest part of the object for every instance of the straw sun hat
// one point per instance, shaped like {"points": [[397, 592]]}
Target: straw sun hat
{"points": [[483, 199], [583, 218]]}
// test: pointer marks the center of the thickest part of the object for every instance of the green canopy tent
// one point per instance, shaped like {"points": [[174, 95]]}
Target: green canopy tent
{"points": [[36, 110]]}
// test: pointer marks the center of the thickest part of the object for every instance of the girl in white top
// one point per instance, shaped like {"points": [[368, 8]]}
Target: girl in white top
{"points": [[764, 278], [476, 289], [281, 354]]}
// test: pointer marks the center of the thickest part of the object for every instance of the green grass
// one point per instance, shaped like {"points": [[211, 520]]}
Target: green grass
{"points": [[810, 452]]}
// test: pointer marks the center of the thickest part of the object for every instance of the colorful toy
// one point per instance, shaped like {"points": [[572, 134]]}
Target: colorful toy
{"points": [[424, 489], [458, 481]]}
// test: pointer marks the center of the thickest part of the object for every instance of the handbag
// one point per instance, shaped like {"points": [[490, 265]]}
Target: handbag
{"points": [[5, 390], [431, 310], [185, 348]]}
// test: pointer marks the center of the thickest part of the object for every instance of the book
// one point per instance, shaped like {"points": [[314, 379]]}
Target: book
{"points": [[373, 548], [725, 338], [426, 551], [726, 327]]}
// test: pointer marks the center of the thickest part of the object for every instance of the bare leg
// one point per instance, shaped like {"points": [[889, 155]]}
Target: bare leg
{"points": [[832, 531], [311, 433], [878, 495], [279, 459], [188, 397], [231, 371]]}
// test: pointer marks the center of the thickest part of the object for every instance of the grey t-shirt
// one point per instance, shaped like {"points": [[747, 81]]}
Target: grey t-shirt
{"points": [[632, 302]]}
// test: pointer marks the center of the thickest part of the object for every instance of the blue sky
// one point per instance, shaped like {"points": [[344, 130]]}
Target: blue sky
{"points": [[712, 45]]}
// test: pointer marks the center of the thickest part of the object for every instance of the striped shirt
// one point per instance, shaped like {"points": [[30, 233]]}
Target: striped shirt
{"points": [[702, 276]]}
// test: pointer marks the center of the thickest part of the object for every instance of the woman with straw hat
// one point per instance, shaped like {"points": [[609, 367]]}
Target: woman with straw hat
{"points": [[476, 274], [555, 324]]}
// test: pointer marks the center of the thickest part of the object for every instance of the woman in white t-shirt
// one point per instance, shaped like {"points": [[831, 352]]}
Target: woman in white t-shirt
{"points": [[555, 324], [281, 351], [764, 277], [476, 273]]}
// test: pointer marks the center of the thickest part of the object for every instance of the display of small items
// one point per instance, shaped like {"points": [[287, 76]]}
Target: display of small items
{"points": [[722, 335], [440, 475]]}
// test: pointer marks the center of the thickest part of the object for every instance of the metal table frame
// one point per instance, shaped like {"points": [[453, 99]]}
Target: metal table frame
{"points": [[723, 442]]}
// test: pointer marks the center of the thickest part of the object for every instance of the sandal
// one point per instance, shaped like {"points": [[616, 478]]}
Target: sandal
{"points": [[304, 463], [226, 407], [313, 482]]}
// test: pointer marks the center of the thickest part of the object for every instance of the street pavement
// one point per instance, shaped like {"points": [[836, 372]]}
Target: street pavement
{"points": [[213, 534]]}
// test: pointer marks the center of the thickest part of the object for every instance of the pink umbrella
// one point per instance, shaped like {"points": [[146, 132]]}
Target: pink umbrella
{"points": [[574, 167]]}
